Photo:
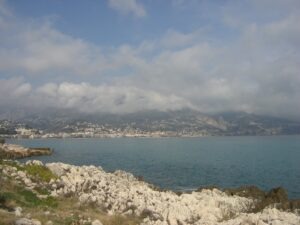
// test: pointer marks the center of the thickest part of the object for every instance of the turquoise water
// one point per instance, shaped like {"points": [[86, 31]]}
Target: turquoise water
{"points": [[188, 163]]}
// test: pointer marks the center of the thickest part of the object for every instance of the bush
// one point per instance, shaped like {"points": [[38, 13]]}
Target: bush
{"points": [[25, 198], [40, 172]]}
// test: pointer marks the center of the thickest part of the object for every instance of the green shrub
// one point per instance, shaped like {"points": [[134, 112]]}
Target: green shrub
{"points": [[42, 191], [40, 172], [26, 198]]}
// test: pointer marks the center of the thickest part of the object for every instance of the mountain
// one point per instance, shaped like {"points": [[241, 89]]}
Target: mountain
{"points": [[240, 123], [171, 123]]}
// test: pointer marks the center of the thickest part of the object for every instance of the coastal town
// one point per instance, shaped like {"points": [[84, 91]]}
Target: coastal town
{"points": [[89, 130], [151, 124]]}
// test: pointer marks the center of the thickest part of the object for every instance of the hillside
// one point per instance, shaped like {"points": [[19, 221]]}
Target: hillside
{"points": [[151, 123]]}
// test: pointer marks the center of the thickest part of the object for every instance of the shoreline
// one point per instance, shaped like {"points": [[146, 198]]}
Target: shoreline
{"points": [[187, 189], [122, 193], [150, 137], [14, 151]]}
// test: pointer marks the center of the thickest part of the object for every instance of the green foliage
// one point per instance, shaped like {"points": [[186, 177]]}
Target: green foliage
{"points": [[42, 191], [13, 194], [40, 172], [50, 202], [5, 200], [26, 198]]}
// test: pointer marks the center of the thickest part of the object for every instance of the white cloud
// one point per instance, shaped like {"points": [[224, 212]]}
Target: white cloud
{"points": [[14, 91], [39, 48], [257, 72], [128, 6], [22, 90], [173, 39], [106, 98]]}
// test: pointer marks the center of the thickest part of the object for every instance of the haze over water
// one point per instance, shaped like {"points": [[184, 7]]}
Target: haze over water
{"points": [[188, 163]]}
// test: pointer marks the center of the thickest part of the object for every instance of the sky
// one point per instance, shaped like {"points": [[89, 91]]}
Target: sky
{"points": [[122, 56]]}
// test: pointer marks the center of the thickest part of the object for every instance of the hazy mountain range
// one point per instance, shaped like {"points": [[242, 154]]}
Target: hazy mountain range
{"points": [[184, 122]]}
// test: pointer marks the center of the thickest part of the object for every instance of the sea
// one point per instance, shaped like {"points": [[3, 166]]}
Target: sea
{"points": [[185, 164]]}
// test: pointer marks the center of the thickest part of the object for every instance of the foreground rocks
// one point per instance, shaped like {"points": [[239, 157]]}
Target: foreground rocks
{"points": [[25, 221], [122, 193], [277, 197], [12, 151]]}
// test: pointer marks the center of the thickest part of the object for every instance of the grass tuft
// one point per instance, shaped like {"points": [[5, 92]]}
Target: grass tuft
{"points": [[24, 198], [40, 172]]}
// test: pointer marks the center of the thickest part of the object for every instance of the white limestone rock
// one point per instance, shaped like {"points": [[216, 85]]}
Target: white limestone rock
{"points": [[96, 222], [267, 216], [122, 193], [25, 221], [34, 162], [18, 211], [21, 174], [58, 169]]}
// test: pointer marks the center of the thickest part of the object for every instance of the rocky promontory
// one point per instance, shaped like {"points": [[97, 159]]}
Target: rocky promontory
{"points": [[122, 194], [13, 151]]}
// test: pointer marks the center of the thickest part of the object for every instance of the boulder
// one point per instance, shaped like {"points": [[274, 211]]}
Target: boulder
{"points": [[34, 162], [18, 211], [96, 222], [25, 221]]}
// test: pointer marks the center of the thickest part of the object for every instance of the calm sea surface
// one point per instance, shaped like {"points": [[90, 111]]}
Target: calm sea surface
{"points": [[187, 163]]}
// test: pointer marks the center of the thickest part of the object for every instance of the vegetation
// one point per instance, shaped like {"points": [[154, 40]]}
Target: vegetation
{"points": [[60, 210], [15, 164], [276, 197], [40, 172], [12, 195]]}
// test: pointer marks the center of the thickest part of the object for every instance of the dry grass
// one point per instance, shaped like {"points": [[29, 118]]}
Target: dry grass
{"points": [[70, 212], [61, 211], [6, 218]]}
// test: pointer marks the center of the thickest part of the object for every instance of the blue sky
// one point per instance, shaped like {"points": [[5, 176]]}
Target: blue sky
{"points": [[129, 55], [100, 23], [97, 22]]}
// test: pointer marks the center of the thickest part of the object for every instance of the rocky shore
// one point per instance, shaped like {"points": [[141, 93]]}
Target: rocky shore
{"points": [[120, 193], [12, 151]]}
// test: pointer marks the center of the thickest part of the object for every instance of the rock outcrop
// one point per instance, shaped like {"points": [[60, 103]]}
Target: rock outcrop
{"points": [[26, 221], [12, 151], [121, 193]]}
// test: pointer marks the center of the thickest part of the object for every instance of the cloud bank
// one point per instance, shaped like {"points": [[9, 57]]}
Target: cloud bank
{"points": [[257, 70], [127, 7]]}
